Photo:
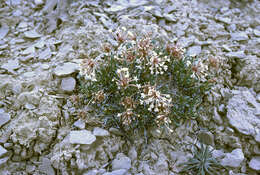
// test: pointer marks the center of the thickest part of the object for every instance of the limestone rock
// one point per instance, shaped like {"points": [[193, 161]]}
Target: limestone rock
{"points": [[257, 137], [249, 76], [233, 159], [255, 163], [38, 2], [4, 118], [238, 54], [11, 65], [241, 36], [161, 166], [170, 17], [121, 162], [46, 167], [117, 172], [68, 84], [4, 29], [3, 160], [45, 54], [66, 69], [257, 33], [218, 154], [3, 151], [132, 153], [79, 124], [100, 132], [194, 50], [91, 172], [223, 19], [241, 113], [32, 34], [82, 137]]}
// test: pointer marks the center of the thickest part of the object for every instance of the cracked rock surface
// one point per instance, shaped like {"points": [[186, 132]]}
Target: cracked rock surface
{"points": [[42, 43]]}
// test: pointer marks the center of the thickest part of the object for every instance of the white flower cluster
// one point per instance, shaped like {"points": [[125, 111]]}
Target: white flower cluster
{"points": [[124, 79], [157, 64], [87, 69], [157, 102]]}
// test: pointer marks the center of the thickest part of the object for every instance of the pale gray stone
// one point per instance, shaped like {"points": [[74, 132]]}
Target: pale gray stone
{"points": [[161, 166], [4, 118], [170, 17], [4, 160], [121, 162], [82, 137], [40, 44], [4, 29], [38, 2], [91, 172], [194, 50], [66, 69], [29, 106], [11, 65], [157, 12], [68, 84], [257, 32], [100, 132], [257, 137], [233, 159], [255, 163], [238, 54], [218, 154], [240, 113], [186, 42], [46, 167], [117, 172], [232, 27], [79, 124], [29, 50], [223, 19], [2, 110], [45, 66], [46, 54], [132, 153], [30, 168], [240, 36], [3, 151], [226, 48], [32, 34]]}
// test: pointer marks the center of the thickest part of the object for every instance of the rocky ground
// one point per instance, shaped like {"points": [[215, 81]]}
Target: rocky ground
{"points": [[41, 45]]}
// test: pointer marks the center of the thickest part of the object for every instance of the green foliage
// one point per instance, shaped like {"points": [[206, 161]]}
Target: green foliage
{"points": [[142, 84], [202, 162]]}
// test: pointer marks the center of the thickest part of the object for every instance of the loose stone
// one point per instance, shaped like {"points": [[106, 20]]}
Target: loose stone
{"points": [[82, 137]]}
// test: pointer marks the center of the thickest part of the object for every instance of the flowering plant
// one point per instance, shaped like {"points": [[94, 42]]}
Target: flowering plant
{"points": [[141, 84]]}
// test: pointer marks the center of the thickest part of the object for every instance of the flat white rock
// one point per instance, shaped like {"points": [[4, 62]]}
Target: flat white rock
{"points": [[68, 84], [11, 65], [66, 69], [2, 151], [233, 159], [4, 118], [255, 163], [100, 132], [32, 34], [82, 137]]}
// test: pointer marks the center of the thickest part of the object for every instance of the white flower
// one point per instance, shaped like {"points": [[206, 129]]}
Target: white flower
{"points": [[123, 28], [138, 86], [157, 102]]}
